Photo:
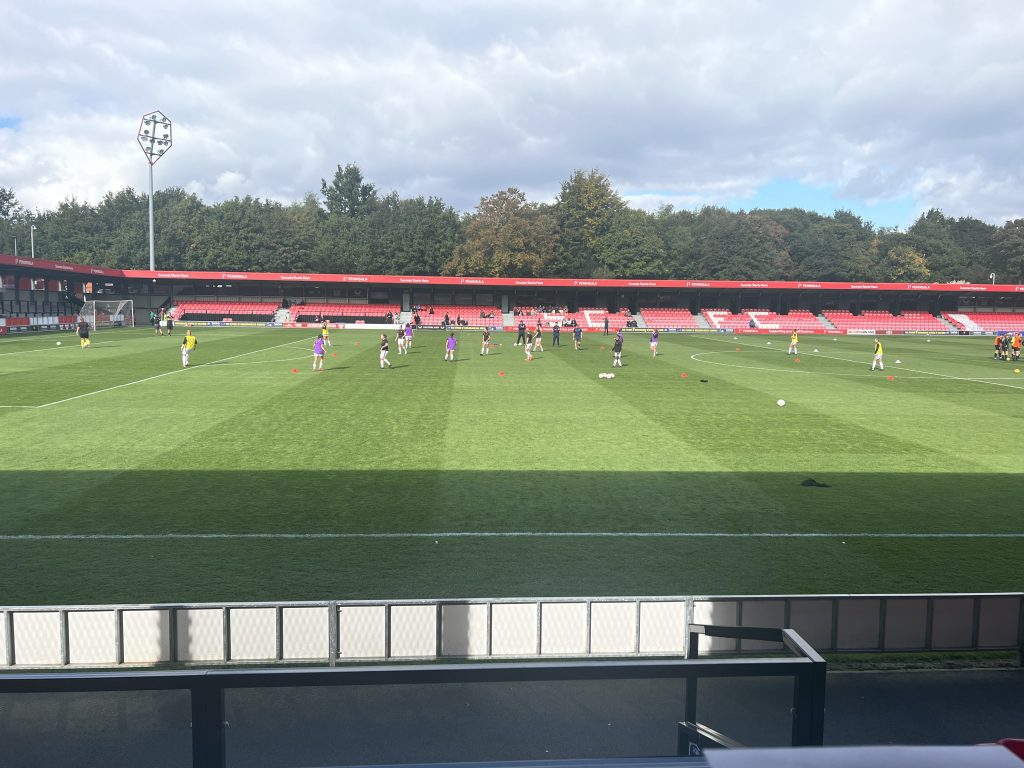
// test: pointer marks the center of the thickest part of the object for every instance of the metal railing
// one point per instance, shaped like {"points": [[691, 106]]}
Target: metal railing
{"points": [[207, 687], [330, 632]]}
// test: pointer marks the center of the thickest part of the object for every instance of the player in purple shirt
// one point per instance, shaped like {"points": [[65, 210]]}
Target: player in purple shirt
{"points": [[318, 353], [449, 347], [408, 338]]}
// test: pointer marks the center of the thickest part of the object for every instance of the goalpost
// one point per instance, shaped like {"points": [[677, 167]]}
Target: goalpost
{"points": [[108, 314]]}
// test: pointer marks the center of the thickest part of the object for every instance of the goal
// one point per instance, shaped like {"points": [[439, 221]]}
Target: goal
{"points": [[108, 314]]}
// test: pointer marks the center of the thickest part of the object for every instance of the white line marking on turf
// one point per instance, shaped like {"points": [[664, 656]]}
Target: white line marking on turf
{"points": [[498, 535], [54, 348], [159, 376]]}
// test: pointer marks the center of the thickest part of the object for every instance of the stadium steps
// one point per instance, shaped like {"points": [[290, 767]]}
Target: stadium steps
{"points": [[948, 324], [964, 320], [640, 322], [507, 319], [702, 322], [826, 322]]}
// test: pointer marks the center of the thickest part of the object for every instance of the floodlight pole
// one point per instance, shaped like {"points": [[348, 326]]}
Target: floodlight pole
{"points": [[32, 239], [152, 243], [153, 147], [993, 276]]}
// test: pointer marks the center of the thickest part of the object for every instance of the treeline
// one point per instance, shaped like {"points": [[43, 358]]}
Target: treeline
{"points": [[588, 231]]}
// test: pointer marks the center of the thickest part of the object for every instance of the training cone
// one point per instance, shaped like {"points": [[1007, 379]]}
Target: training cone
{"points": [[796, 359], [501, 373], [682, 375], [334, 354], [295, 370], [888, 378]]}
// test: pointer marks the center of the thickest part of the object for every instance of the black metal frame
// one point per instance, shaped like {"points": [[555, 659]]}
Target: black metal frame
{"points": [[207, 687]]}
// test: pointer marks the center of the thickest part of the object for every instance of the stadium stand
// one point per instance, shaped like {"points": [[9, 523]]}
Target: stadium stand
{"points": [[797, 319], [884, 322], [764, 319], [530, 315], [470, 315], [593, 317], [669, 318], [343, 313], [218, 310], [991, 322], [724, 318]]}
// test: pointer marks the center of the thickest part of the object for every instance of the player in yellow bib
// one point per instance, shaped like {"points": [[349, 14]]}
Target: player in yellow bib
{"points": [[326, 334], [793, 339], [187, 345], [878, 356]]}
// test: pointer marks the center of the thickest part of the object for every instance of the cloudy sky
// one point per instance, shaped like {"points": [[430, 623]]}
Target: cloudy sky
{"points": [[886, 108]]}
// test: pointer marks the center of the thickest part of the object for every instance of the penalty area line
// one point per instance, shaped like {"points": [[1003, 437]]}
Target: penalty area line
{"points": [[498, 535]]}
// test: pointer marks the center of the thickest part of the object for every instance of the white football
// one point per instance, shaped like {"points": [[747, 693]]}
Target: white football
{"points": [[769, 343], [611, 375], [780, 403], [58, 343], [815, 350], [898, 362]]}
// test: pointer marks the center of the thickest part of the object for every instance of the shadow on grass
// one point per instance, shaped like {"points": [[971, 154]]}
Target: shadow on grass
{"points": [[401, 501]]}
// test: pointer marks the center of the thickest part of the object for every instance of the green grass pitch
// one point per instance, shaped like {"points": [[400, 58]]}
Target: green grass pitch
{"points": [[125, 478]]}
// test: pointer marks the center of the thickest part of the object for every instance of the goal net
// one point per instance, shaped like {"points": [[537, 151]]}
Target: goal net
{"points": [[108, 314]]}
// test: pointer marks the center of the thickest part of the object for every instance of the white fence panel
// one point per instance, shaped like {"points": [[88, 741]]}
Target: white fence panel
{"points": [[37, 638], [92, 637], [663, 627], [147, 636], [304, 634], [613, 628], [200, 634], [362, 632], [464, 629], [563, 629], [413, 631], [514, 629], [253, 634]]}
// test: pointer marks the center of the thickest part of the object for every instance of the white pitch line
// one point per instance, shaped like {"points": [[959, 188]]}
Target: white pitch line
{"points": [[496, 535], [158, 376], [51, 349]]}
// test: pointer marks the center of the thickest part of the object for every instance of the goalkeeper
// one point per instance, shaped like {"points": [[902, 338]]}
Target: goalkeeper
{"points": [[189, 343]]}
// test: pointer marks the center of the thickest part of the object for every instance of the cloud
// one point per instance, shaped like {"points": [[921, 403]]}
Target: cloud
{"points": [[688, 102]]}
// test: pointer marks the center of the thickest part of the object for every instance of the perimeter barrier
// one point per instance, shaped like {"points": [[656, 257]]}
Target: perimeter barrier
{"points": [[332, 632]]}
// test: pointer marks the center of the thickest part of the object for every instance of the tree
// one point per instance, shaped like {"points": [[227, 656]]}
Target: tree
{"points": [[584, 212], [676, 231], [904, 264], [506, 236], [1008, 252], [348, 193], [932, 236], [631, 247]]}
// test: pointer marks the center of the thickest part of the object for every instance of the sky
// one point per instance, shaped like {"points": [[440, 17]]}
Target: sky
{"points": [[885, 108]]}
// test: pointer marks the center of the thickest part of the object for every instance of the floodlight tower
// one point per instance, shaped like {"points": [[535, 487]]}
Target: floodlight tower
{"points": [[155, 140]]}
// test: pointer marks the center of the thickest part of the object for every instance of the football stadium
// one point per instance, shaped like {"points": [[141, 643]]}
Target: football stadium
{"points": [[425, 470], [654, 398], [726, 462]]}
